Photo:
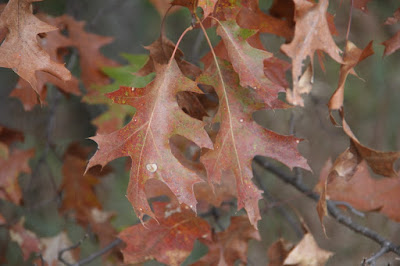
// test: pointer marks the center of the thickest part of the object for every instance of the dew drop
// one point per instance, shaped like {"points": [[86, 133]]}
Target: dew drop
{"points": [[132, 89], [297, 141], [140, 209], [241, 120], [255, 88], [151, 167], [191, 206]]}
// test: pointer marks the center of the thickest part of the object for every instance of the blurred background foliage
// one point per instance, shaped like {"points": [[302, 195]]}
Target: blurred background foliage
{"points": [[372, 108]]}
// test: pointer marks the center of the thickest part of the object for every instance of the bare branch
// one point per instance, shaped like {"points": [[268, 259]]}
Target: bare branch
{"points": [[387, 246], [104, 250], [377, 255]]}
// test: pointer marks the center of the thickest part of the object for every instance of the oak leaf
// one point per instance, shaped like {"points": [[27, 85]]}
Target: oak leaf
{"points": [[230, 245], [352, 56], [55, 44], [247, 61], [20, 49], [240, 139], [251, 17], [114, 118], [311, 33], [392, 44], [11, 167], [353, 184], [160, 52], [169, 241], [91, 60], [146, 138], [78, 189], [307, 253]]}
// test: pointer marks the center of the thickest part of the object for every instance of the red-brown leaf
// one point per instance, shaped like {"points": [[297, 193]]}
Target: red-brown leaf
{"points": [[21, 50], [146, 138], [170, 240], [352, 56], [230, 245], [360, 190], [240, 139], [79, 194], [247, 61], [11, 167]]}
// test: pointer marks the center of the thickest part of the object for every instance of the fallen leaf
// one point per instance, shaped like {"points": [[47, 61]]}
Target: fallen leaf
{"points": [[240, 139], [395, 19], [393, 44], [169, 241], [20, 49], [311, 33]]}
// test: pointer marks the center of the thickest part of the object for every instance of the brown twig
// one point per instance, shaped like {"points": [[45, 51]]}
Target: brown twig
{"points": [[387, 245]]}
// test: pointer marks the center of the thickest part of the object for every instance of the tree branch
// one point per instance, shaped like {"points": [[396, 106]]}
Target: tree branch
{"points": [[92, 256], [387, 246]]}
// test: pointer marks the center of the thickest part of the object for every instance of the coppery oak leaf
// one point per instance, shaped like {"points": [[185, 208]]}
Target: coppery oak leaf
{"points": [[91, 60], [55, 44], [382, 163], [252, 17], [230, 245], [20, 49], [78, 189], [353, 184], [146, 139], [247, 61], [170, 240], [240, 139], [311, 33], [160, 52], [352, 56], [11, 167], [392, 44]]}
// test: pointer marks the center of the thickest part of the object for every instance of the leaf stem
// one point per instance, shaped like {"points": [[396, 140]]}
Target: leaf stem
{"points": [[177, 44]]}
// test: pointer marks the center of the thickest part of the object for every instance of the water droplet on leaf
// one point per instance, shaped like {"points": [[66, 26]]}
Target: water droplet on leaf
{"points": [[151, 167]]}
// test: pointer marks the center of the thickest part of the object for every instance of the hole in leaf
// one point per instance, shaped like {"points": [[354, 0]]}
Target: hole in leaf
{"points": [[187, 153]]}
